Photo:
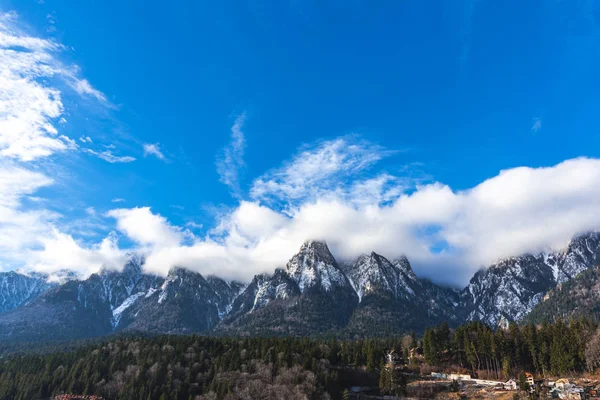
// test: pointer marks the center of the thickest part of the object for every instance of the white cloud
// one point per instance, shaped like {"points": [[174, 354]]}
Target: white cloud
{"points": [[117, 200], [61, 251], [85, 139], [29, 237], [146, 228], [231, 161], [17, 182], [537, 125], [31, 103], [108, 156], [518, 211], [83, 86], [194, 225], [447, 234], [153, 150], [324, 170]]}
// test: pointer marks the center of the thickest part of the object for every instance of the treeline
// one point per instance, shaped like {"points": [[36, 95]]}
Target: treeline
{"points": [[550, 349], [199, 368], [216, 368]]}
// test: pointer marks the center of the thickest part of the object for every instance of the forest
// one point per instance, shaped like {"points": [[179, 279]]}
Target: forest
{"points": [[215, 368]]}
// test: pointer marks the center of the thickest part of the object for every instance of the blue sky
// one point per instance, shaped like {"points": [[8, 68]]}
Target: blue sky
{"points": [[203, 111]]}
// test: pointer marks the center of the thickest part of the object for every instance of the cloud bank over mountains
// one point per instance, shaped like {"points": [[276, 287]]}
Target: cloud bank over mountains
{"points": [[447, 234], [331, 190]]}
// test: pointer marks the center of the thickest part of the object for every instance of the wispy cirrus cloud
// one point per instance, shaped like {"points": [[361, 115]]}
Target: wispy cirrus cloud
{"points": [[537, 125], [153, 149], [109, 156], [327, 168], [83, 87], [32, 81], [231, 160]]}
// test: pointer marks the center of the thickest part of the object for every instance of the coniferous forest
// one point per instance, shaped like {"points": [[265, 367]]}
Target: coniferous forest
{"points": [[201, 368]]}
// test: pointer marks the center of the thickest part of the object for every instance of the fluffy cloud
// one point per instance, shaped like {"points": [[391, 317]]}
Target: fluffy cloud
{"points": [[31, 77], [447, 234], [29, 237], [60, 251], [20, 228], [146, 228], [231, 161]]}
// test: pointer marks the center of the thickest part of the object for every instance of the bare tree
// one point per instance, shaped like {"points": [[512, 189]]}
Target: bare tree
{"points": [[592, 351]]}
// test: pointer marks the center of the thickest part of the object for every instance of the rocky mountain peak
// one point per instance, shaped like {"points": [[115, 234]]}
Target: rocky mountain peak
{"points": [[403, 265], [374, 274], [61, 276], [20, 288], [315, 248], [315, 267], [134, 264]]}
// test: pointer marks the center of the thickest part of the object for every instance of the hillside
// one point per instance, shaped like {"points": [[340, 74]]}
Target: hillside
{"points": [[579, 297]]}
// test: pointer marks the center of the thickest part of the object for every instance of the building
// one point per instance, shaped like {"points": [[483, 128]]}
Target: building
{"points": [[460, 377], [529, 378], [562, 383], [511, 384]]}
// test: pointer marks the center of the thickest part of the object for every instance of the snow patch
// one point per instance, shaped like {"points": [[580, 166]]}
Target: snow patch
{"points": [[118, 312]]}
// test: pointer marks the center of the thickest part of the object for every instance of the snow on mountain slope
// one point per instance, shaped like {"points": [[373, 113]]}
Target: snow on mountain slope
{"points": [[374, 273], [509, 289], [312, 294], [117, 312], [582, 253], [184, 303], [314, 267], [18, 288], [370, 273]]}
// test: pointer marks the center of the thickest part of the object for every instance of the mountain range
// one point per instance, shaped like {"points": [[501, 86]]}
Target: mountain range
{"points": [[312, 295]]}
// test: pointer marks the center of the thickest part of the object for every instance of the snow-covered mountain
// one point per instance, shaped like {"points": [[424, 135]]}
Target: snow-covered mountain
{"points": [[373, 273], [18, 288], [315, 267], [126, 300], [393, 299], [184, 302], [509, 289], [312, 294]]}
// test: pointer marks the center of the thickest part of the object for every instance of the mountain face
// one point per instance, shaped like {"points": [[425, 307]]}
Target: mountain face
{"points": [[375, 275], [311, 295], [128, 300], [77, 309], [17, 288], [582, 253], [393, 299], [578, 297], [507, 290], [511, 288], [184, 303]]}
